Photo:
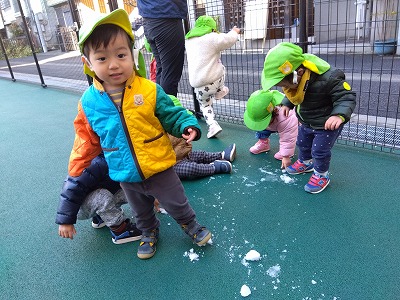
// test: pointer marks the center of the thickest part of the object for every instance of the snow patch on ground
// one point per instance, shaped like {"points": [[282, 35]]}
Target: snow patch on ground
{"points": [[191, 254]]}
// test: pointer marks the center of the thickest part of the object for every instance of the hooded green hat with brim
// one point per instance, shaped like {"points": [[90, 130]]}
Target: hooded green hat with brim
{"points": [[117, 17], [203, 25], [285, 58], [259, 108]]}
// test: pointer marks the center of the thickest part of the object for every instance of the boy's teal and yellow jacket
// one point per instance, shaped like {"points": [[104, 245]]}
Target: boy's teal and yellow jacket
{"points": [[134, 140]]}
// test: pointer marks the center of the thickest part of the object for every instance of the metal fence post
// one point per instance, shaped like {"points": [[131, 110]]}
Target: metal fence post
{"points": [[303, 40], [30, 43]]}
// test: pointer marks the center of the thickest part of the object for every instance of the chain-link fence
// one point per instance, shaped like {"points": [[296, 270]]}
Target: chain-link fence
{"points": [[360, 37]]}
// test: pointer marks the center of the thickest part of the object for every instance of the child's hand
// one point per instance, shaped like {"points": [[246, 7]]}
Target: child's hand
{"points": [[190, 136], [286, 162], [236, 29], [67, 231], [285, 110], [333, 123]]}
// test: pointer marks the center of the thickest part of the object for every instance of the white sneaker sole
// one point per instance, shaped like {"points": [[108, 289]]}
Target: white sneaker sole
{"points": [[213, 134]]}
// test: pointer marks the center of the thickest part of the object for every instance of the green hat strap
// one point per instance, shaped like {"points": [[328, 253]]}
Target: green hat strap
{"points": [[140, 64]]}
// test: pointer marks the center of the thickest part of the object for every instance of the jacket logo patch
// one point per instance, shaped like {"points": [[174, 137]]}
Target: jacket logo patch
{"points": [[138, 99]]}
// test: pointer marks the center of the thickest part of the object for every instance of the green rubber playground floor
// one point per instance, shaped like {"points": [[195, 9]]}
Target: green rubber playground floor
{"points": [[341, 244]]}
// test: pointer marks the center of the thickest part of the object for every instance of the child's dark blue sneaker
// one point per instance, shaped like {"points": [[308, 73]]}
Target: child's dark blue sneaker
{"points": [[229, 153], [222, 166], [300, 167], [129, 234], [97, 222], [147, 247], [317, 183], [199, 234]]}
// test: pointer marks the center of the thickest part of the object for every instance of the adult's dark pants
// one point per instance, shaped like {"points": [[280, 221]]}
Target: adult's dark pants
{"points": [[167, 41]]}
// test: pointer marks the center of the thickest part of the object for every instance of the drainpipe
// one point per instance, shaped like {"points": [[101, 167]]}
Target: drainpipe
{"points": [[40, 33]]}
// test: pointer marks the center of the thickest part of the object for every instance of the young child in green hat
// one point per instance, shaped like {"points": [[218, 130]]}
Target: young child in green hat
{"points": [[206, 71], [128, 117], [323, 102], [265, 115]]}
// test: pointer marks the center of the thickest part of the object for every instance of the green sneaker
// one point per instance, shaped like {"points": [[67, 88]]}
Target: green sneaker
{"points": [[199, 234], [147, 247]]}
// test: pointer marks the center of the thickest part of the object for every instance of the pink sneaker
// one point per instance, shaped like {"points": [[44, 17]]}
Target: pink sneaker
{"points": [[260, 146]]}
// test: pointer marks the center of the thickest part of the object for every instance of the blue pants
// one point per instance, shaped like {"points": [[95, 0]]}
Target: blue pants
{"points": [[263, 134], [168, 189], [167, 41], [316, 144]]}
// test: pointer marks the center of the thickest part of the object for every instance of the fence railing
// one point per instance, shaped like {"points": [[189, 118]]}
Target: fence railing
{"points": [[335, 31]]}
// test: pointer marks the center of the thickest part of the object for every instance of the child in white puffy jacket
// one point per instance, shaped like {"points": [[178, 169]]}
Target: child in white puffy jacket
{"points": [[206, 71]]}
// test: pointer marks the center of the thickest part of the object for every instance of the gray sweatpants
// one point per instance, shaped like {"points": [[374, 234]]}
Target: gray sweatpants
{"points": [[105, 204], [168, 189]]}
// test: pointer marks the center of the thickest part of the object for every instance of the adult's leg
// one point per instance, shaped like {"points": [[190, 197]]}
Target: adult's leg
{"points": [[167, 41]]}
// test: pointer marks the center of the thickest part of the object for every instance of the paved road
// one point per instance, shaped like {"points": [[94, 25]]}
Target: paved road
{"points": [[376, 79]]}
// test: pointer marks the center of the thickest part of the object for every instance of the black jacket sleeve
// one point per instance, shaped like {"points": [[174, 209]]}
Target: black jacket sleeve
{"points": [[76, 189]]}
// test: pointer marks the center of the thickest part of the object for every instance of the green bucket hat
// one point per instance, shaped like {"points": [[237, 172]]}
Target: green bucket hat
{"points": [[117, 17], [259, 108], [285, 58], [203, 25]]}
